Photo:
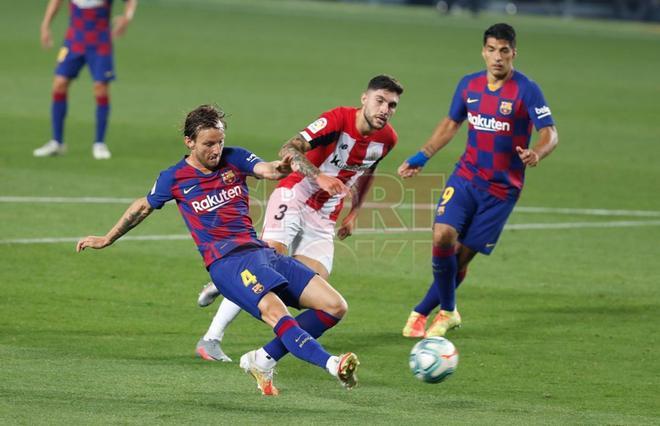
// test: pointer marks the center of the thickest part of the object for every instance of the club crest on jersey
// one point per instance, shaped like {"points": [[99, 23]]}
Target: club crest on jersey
{"points": [[318, 125], [228, 177], [506, 107]]}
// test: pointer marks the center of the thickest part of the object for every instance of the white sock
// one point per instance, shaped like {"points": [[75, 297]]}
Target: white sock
{"points": [[263, 360], [332, 365], [227, 311]]}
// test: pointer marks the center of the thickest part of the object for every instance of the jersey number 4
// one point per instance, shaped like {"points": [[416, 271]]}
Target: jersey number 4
{"points": [[248, 278]]}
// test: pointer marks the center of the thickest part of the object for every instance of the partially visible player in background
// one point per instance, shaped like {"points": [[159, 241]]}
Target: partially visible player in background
{"points": [[501, 105], [88, 41], [335, 154], [211, 192]]}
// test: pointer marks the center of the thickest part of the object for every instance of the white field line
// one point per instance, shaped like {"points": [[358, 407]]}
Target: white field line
{"points": [[172, 237], [524, 209], [511, 227], [519, 209], [531, 226], [69, 200], [400, 230]]}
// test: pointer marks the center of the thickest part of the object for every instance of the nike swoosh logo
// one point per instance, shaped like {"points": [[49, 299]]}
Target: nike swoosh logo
{"points": [[471, 101], [187, 190], [489, 245]]}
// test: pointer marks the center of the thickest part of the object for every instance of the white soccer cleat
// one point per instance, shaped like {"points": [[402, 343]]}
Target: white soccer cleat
{"points": [[51, 148], [264, 377], [210, 350], [208, 294], [100, 151]]}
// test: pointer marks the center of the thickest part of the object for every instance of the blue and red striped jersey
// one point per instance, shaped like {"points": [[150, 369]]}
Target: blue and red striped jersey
{"points": [[89, 27], [499, 121], [214, 206]]}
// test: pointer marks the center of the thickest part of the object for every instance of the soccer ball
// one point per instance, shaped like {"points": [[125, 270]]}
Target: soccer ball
{"points": [[434, 359]]}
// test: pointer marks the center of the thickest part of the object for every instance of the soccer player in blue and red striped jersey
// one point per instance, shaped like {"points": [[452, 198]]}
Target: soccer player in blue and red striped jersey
{"points": [[211, 192], [88, 41], [501, 106], [335, 154]]}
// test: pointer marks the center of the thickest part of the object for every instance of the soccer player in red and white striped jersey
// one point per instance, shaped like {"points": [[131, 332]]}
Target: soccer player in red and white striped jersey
{"points": [[334, 156]]}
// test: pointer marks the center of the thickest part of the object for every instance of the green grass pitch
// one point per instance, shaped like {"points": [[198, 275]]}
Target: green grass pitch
{"points": [[560, 323]]}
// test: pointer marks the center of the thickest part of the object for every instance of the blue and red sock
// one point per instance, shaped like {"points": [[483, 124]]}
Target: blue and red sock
{"points": [[445, 268], [315, 322], [300, 343], [102, 113], [431, 299], [57, 115]]}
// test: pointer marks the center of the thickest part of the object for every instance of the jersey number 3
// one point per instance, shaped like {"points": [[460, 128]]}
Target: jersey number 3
{"points": [[283, 208]]}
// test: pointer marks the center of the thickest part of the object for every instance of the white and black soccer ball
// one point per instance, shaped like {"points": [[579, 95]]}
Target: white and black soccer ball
{"points": [[433, 359]]}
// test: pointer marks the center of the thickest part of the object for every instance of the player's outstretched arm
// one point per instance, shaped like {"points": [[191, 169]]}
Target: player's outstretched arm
{"points": [[442, 135], [135, 214], [359, 195], [51, 11], [272, 170], [547, 142], [295, 150], [121, 22]]}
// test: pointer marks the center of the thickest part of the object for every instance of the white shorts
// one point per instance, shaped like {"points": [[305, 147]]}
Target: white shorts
{"points": [[304, 231]]}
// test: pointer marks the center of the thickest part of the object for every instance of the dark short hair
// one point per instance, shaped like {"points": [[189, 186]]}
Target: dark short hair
{"points": [[384, 81], [203, 117], [501, 31]]}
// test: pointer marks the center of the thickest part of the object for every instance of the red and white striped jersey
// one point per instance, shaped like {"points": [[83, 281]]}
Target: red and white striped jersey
{"points": [[338, 150]]}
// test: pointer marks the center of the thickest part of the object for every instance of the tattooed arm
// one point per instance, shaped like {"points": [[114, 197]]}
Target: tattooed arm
{"points": [[129, 220], [294, 151]]}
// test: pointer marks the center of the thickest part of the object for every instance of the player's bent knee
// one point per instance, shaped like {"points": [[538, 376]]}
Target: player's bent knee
{"points": [[101, 89], [319, 294], [60, 85], [272, 309], [337, 307], [444, 235]]}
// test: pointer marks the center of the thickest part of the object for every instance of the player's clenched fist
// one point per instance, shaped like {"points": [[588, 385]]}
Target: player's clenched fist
{"points": [[331, 185], [406, 171], [528, 157], [413, 165]]}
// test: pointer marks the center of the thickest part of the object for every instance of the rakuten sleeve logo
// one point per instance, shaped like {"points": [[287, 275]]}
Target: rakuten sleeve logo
{"points": [[318, 125], [542, 112]]}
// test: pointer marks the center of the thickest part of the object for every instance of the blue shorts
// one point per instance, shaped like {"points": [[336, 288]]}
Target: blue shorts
{"points": [[246, 275], [478, 216], [69, 64]]}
